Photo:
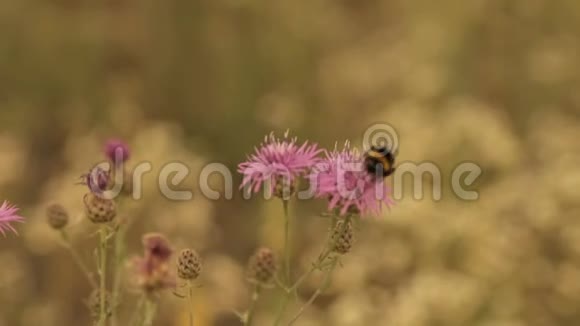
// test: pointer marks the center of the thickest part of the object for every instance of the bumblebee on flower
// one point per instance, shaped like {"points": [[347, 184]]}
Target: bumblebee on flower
{"points": [[342, 178]]}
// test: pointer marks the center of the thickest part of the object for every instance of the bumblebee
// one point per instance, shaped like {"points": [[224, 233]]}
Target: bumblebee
{"points": [[379, 160]]}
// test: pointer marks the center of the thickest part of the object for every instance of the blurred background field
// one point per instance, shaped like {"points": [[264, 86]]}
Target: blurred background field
{"points": [[494, 82]]}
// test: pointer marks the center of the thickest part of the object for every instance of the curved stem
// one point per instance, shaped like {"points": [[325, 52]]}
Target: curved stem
{"points": [[313, 269], [249, 318], [322, 288], [77, 259]]}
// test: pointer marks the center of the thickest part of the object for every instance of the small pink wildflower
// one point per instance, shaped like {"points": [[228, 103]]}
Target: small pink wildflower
{"points": [[153, 269], [342, 179], [8, 214], [278, 160]]}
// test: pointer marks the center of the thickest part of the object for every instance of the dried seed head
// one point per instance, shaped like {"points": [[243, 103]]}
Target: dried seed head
{"points": [[342, 237], [262, 266], [188, 264], [57, 216], [94, 303], [99, 210]]}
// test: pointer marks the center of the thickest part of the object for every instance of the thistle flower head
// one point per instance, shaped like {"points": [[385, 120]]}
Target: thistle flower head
{"points": [[99, 210], [117, 151], [188, 264], [57, 216], [262, 266], [278, 161], [157, 246], [9, 214], [342, 179], [342, 237], [153, 269]]}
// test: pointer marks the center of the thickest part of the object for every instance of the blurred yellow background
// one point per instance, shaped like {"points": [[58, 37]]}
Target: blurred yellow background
{"points": [[494, 82]]}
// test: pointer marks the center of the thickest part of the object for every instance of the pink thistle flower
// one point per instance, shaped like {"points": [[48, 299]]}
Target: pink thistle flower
{"points": [[342, 178], [278, 161], [117, 151], [153, 269], [8, 214]]}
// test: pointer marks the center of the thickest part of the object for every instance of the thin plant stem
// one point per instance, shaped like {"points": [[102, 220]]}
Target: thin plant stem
{"points": [[287, 252], [103, 275], [150, 312], [120, 252], [78, 260], [249, 318], [285, 294], [314, 268], [326, 281], [319, 291], [190, 301], [282, 309], [137, 312]]}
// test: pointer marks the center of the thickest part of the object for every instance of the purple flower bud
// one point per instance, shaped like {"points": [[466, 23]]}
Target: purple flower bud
{"points": [[117, 151], [97, 180]]}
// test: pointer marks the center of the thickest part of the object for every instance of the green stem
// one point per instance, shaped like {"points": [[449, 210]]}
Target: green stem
{"points": [[287, 241], [249, 318], [120, 252], [137, 313], [103, 276], [282, 309], [78, 260], [326, 281], [319, 291], [150, 312], [287, 278], [190, 301], [313, 269]]}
